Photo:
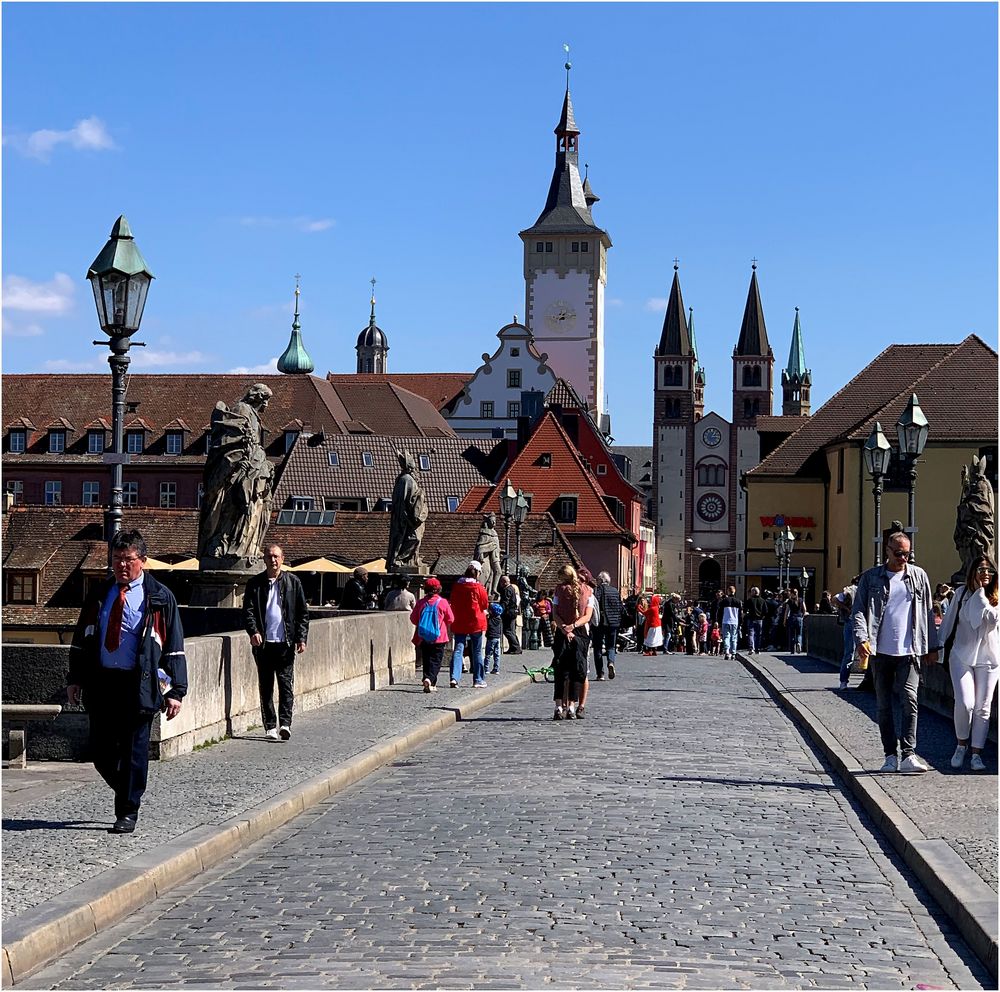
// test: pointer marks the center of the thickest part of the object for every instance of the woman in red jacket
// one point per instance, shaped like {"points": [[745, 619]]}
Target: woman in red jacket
{"points": [[438, 617], [469, 602], [654, 628]]}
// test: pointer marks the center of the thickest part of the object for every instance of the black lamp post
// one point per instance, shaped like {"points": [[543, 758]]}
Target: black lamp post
{"points": [[784, 541], [508, 497], [877, 453], [779, 553], [804, 582], [911, 432], [520, 515], [120, 280]]}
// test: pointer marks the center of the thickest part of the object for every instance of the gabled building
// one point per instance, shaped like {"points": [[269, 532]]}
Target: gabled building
{"points": [[815, 481], [554, 478]]}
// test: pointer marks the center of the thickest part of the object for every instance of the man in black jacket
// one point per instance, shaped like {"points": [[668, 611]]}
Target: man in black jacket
{"points": [[755, 611], [604, 636], [356, 591], [276, 617], [128, 632]]}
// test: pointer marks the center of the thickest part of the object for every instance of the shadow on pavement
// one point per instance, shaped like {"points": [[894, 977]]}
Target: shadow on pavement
{"points": [[810, 786], [54, 825]]}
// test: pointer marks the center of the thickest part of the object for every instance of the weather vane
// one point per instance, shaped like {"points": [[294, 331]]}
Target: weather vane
{"points": [[373, 290], [569, 65]]}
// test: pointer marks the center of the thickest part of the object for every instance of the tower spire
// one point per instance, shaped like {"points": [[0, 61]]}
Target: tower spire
{"points": [[372, 346], [674, 338], [796, 379], [753, 332], [295, 359], [371, 321]]}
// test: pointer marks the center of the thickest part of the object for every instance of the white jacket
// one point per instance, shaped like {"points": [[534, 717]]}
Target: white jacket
{"points": [[977, 639]]}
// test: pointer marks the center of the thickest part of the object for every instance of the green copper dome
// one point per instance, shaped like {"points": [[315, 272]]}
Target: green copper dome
{"points": [[296, 360]]}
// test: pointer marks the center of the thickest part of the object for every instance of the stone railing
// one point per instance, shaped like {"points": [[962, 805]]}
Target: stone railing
{"points": [[824, 638], [346, 655]]}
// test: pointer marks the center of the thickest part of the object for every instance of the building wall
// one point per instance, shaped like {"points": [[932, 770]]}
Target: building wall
{"points": [[670, 469]]}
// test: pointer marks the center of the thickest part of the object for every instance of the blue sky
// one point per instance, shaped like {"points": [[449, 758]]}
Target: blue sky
{"points": [[850, 148]]}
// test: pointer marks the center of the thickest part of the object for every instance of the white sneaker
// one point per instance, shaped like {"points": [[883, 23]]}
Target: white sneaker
{"points": [[959, 756], [272, 734], [977, 764], [284, 733], [890, 764], [912, 765], [427, 685]]}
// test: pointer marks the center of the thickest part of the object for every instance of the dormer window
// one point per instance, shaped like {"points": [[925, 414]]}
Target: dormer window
{"points": [[135, 442], [545, 459], [57, 442], [566, 509], [300, 503], [95, 442], [290, 437], [175, 442], [22, 587], [17, 441]]}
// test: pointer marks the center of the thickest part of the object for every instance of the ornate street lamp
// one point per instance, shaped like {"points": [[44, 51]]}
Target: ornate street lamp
{"points": [[877, 453], [508, 497], [120, 280], [911, 432], [804, 582], [520, 515], [779, 553]]}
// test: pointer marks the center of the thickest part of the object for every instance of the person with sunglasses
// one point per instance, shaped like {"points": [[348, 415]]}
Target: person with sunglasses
{"points": [[972, 653], [893, 623]]}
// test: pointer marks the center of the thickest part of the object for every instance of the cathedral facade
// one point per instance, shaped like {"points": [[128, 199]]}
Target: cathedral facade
{"points": [[699, 458]]}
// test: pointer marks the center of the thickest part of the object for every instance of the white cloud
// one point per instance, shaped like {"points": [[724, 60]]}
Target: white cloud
{"points": [[52, 297], [657, 304], [271, 365], [147, 359], [15, 329], [308, 225], [64, 365], [89, 134], [615, 302]]}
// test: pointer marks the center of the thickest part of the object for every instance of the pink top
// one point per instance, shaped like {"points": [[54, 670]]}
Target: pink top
{"points": [[445, 617]]}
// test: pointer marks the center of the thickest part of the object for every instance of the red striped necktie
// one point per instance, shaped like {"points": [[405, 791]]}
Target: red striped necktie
{"points": [[113, 635]]}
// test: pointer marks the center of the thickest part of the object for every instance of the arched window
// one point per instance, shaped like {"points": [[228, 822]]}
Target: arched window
{"points": [[747, 376], [712, 472], [747, 408], [756, 375]]}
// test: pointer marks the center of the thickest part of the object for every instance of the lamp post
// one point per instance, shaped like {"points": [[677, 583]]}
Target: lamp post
{"points": [[877, 453], [508, 497], [520, 515], [784, 541], [779, 553], [120, 280], [911, 432], [804, 582]]}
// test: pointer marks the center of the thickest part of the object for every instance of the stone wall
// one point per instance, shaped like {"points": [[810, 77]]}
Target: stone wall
{"points": [[824, 638], [346, 655]]}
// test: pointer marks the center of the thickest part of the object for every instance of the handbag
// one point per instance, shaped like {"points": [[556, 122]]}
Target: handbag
{"points": [[950, 639]]}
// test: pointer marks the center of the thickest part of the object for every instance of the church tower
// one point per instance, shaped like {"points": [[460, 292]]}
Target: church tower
{"points": [[678, 404], [373, 345], [753, 362], [565, 259], [796, 379]]}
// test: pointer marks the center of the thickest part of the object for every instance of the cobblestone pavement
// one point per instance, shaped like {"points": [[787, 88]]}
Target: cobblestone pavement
{"points": [[959, 807], [55, 820], [682, 836]]}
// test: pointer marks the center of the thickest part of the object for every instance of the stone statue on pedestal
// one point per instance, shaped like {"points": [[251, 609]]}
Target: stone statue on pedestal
{"points": [[488, 552], [975, 524], [406, 522], [238, 483]]}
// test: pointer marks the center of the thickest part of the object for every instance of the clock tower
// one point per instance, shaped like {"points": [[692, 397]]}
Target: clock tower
{"points": [[565, 259]]}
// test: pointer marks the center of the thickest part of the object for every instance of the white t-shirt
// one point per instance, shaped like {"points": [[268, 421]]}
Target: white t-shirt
{"points": [[895, 632], [274, 623]]}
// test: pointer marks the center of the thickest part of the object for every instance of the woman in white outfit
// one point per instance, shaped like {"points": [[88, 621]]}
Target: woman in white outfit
{"points": [[974, 659]]}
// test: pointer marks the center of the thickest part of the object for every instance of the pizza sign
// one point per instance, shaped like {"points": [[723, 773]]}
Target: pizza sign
{"points": [[783, 521]]}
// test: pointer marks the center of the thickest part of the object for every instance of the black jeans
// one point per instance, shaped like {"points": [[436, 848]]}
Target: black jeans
{"points": [[569, 668], [510, 632], [896, 675], [119, 737], [275, 660], [605, 639], [431, 656]]}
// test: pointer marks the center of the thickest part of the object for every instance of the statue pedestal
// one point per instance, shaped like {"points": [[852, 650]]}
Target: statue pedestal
{"points": [[409, 570], [219, 587]]}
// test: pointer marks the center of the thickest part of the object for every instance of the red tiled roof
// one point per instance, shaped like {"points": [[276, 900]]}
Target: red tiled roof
{"points": [[456, 464], [767, 424], [567, 475], [386, 408], [891, 373], [438, 387]]}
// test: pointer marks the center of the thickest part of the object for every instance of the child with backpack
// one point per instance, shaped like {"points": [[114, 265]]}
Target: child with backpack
{"points": [[494, 631], [432, 617]]}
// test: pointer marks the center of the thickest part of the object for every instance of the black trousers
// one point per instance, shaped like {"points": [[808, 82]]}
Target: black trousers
{"points": [[569, 669], [119, 737], [431, 655], [275, 660], [510, 632]]}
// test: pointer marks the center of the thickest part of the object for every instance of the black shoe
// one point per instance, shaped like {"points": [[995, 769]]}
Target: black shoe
{"points": [[123, 825], [611, 670]]}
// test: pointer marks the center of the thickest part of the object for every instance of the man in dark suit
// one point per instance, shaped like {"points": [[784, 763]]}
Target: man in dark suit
{"points": [[276, 617], [127, 663]]}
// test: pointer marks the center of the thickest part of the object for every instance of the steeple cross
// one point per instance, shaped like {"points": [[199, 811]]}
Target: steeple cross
{"points": [[753, 262], [297, 278]]}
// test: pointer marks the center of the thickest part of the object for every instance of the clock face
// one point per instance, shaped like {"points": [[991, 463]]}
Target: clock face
{"points": [[712, 437], [560, 316], [711, 507]]}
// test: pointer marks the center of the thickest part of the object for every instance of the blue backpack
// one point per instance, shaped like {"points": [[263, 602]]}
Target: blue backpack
{"points": [[429, 627]]}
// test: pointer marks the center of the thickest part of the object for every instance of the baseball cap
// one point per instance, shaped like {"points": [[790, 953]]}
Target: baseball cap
{"points": [[476, 565], [432, 583]]}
